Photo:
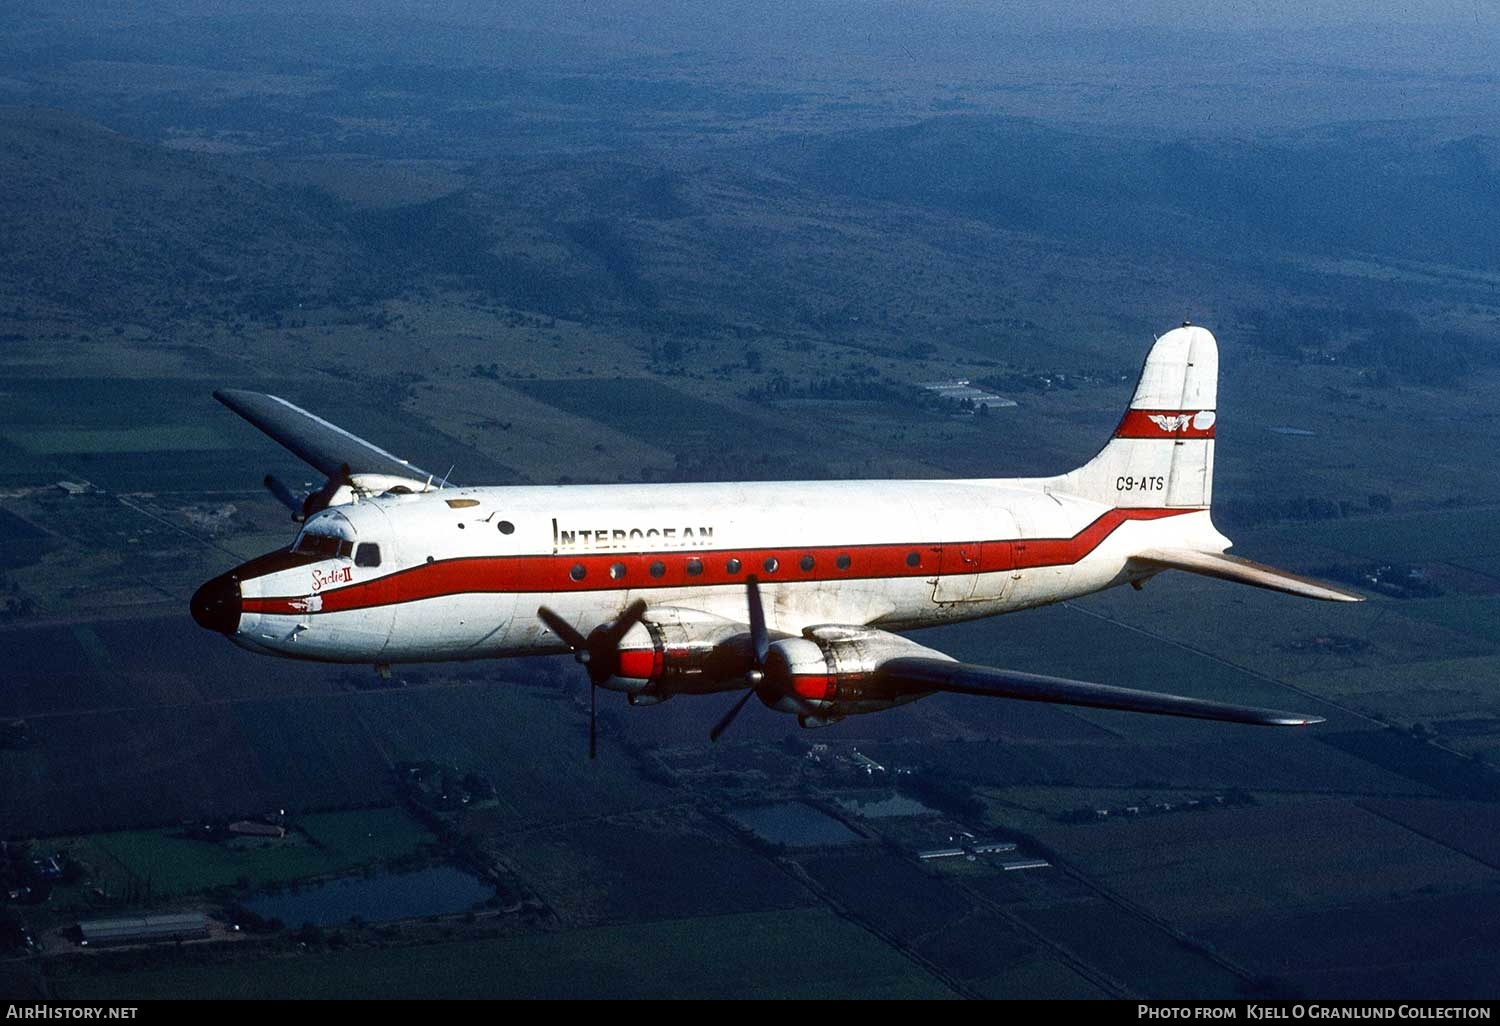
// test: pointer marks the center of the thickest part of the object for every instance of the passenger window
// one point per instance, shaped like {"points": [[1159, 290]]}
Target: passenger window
{"points": [[368, 554]]}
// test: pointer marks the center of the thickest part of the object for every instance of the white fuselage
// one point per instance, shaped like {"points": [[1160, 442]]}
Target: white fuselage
{"points": [[462, 571]]}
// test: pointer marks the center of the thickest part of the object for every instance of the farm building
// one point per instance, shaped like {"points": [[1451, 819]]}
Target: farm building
{"points": [[144, 929]]}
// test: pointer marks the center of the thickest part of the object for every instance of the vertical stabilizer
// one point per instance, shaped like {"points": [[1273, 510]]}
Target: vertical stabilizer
{"points": [[1162, 452]]}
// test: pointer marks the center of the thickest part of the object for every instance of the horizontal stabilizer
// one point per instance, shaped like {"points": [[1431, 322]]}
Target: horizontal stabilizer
{"points": [[1242, 571], [927, 674]]}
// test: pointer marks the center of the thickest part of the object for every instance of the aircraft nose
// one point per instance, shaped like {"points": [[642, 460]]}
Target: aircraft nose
{"points": [[216, 605]]}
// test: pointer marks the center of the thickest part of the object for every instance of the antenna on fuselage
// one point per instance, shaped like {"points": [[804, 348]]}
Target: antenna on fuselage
{"points": [[444, 482]]}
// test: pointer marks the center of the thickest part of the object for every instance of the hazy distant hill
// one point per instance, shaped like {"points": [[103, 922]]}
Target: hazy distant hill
{"points": [[96, 223], [1395, 190], [959, 228]]}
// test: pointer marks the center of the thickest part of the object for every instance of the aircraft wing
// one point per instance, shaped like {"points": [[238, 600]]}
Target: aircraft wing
{"points": [[328, 447], [915, 673]]}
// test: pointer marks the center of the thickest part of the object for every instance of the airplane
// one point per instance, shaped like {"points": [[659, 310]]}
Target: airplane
{"points": [[790, 592]]}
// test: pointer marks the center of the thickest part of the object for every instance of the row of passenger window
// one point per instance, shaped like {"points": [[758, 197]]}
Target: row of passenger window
{"points": [[694, 566]]}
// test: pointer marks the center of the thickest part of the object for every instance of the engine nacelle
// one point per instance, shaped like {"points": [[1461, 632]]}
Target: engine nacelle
{"points": [[833, 669], [343, 488], [680, 651]]}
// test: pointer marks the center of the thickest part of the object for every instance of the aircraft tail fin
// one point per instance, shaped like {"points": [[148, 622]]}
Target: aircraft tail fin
{"points": [[1162, 457], [1162, 451]]}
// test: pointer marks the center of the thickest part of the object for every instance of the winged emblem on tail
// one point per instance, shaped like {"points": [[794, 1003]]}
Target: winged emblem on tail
{"points": [[1171, 424]]}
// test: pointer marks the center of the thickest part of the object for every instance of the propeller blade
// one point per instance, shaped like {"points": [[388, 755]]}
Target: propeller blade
{"points": [[760, 642], [564, 630], [723, 724], [318, 501], [282, 493], [599, 653], [610, 639]]}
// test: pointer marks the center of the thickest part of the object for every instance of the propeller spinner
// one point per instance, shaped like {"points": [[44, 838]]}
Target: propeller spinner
{"points": [[599, 653], [768, 678]]}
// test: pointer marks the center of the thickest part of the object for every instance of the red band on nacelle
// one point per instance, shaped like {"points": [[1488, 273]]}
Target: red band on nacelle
{"points": [[819, 687], [1166, 424], [641, 663]]}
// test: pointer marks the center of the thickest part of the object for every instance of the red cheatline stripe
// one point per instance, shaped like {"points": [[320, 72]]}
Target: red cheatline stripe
{"points": [[1166, 424], [549, 574]]}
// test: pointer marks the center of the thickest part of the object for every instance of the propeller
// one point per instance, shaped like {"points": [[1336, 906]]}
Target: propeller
{"points": [[284, 495], [757, 678], [313, 501], [323, 497], [599, 653]]}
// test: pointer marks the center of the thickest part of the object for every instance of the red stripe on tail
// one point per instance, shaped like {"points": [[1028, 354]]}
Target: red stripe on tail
{"points": [[1166, 424]]}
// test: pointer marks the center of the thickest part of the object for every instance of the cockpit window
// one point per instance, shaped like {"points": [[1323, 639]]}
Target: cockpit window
{"points": [[325, 536], [367, 554], [325, 545]]}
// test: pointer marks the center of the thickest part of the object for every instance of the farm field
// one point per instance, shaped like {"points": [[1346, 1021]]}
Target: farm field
{"points": [[714, 956], [168, 865]]}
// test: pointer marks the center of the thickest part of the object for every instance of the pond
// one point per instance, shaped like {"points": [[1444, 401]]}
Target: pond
{"points": [[795, 824], [439, 890]]}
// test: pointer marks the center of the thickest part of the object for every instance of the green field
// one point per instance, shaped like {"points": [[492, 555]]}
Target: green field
{"points": [[1448, 536], [1125, 947], [591, 872], [1039, 977], [737, 956], [1390, 947], [532, 745], [1411, 692], [147, 438], [171, 865], [662, 415], [1198, 871], [1476, 615]]}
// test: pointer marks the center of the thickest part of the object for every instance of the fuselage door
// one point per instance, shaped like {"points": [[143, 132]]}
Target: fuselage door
{"points": [[977, 571]]}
